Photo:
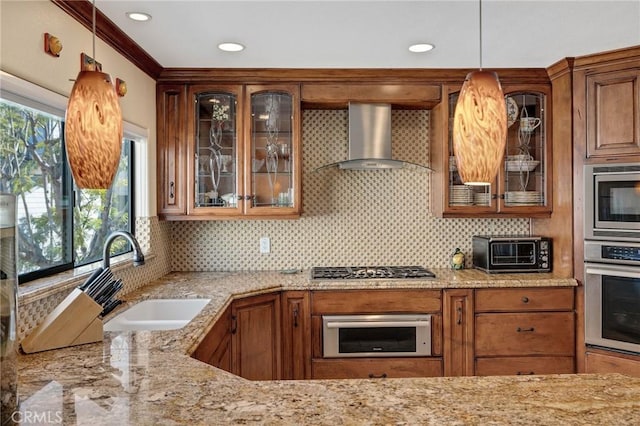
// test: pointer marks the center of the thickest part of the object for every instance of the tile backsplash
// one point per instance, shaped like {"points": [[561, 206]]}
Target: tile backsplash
{"points": [[350, 217]]}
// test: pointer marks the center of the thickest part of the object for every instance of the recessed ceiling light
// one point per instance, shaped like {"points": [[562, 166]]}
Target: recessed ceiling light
{"points": [[231, 47], [139, 16], [421, 47]]}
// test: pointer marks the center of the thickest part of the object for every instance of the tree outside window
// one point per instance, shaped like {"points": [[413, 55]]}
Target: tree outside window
{"points": [[58, 228]]}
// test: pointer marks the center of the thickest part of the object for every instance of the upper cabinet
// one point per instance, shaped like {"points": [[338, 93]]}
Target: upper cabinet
{"points": [[522, 187], [239, 154], [606, 96]]}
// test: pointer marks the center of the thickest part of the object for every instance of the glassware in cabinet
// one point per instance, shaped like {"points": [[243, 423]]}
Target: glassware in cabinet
{"points": [[215, 171], [525, 165], [272, 130]]}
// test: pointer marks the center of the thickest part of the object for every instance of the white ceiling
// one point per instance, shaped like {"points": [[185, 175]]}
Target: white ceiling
{"points": [[376, 34]]}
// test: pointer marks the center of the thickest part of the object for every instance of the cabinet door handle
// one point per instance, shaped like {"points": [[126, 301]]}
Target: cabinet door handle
{"points": [[525, 299], [295, 317], [172, 194], [525, 330], [525, 373], [381, 376], [459, 313], [234, 324]]}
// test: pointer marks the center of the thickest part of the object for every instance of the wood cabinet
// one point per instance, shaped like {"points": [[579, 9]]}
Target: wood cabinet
{"points": [[376, 302], [296, 335], [215, 348], [458, 332], [246, 340], [522, 187], [613, 112], [229, 151], [524, 331], [255, 337], [601, 361], [171, 149], [376, 368]]}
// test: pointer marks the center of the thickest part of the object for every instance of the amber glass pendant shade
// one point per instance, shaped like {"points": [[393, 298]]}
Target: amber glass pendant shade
{"points": [[93, 130], [480, 128]]}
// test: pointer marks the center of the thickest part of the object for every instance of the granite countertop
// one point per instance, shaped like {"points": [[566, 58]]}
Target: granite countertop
{"points": [[148, 377]]}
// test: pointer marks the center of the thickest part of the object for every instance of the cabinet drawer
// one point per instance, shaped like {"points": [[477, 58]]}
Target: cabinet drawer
{"points": [[551, 333], [363, 368], [378, 301], [524, 299], [524, 365]]}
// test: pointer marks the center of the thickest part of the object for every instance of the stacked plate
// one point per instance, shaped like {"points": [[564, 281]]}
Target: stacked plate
{"points": [[461, 195], [521, 165], [528, 198], [481, 198]]}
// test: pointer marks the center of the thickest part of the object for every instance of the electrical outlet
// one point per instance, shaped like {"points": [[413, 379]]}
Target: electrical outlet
{"points": [[265, 245]]}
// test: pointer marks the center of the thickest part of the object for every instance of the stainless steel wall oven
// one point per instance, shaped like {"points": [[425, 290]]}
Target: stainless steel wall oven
{"points": [[612, 295]]}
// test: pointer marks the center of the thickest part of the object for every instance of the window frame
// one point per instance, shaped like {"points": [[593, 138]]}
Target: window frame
{"points": [[33, 96]]}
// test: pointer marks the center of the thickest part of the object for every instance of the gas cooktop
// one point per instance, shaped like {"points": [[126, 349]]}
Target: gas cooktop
{"points": [[370, 272]]}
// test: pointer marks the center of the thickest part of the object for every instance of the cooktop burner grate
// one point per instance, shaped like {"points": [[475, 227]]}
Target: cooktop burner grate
{"points": [[370, 272]]}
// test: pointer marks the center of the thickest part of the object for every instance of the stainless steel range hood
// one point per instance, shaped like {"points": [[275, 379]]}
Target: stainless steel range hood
{"points": [[370, 140]]}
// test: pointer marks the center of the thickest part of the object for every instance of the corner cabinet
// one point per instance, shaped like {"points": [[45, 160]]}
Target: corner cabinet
{"points": [[522, 187], [232, 150]]}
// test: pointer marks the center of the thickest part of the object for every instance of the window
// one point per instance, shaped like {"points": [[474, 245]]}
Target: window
{"points": [[58, 227]]}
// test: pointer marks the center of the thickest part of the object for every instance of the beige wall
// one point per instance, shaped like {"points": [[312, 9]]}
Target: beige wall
{"points": [[350, 218], [22, 27]]}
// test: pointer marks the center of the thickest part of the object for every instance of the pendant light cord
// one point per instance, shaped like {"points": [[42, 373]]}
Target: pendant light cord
{"points": [[94, 34], [480, 38]]}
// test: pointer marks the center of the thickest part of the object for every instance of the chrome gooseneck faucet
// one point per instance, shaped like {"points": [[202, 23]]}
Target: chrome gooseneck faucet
{"points": [[138, 257]]}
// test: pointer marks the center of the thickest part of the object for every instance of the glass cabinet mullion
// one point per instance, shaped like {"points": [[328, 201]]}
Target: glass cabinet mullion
{"points": [[216, 149]]}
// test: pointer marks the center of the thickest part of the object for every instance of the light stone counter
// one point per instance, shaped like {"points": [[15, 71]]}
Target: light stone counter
{"points": [[148, 378]]}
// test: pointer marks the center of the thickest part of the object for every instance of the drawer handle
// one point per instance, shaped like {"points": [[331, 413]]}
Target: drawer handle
{"points": [[526, 373], [525, 299], [382, 376], [525, 330]]}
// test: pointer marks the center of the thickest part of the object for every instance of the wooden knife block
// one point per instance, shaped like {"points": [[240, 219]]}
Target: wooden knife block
{"points": [[73, 322]]}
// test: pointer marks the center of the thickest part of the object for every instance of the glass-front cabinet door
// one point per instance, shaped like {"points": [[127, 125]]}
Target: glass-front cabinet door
{"points": [[524, 180], [216, 150], [522, 186], [273, 147], [245, 155]]}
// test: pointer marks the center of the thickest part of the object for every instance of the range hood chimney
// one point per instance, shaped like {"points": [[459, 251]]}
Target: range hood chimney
{"points": [[370, 138]]}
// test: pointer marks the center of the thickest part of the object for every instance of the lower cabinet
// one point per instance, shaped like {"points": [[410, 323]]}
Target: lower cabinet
{"points": [[524, 331], [373, 368], [246, 339], [505, 331], [296, 335], [215, 348], [255, 337], [602, 361], [359, 302]]}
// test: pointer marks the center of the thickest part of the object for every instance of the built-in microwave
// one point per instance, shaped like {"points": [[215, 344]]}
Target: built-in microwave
{"points": [[612, 202], [392, 335]]}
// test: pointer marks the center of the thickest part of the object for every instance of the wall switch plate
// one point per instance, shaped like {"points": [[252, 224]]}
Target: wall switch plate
{"points": [[265, 245]]}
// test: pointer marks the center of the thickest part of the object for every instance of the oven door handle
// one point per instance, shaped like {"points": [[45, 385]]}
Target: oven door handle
{"points": [[613, 270], [370, 324]]}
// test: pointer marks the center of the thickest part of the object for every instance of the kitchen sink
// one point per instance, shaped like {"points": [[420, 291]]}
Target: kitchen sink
{"points": [[157, 314]]}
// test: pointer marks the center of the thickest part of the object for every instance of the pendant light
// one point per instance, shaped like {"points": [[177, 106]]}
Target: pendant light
{"points": [[480, 125], [93, 127]]}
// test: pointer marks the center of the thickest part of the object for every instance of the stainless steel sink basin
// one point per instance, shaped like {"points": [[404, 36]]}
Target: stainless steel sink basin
{"points": [[157, 314]]}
